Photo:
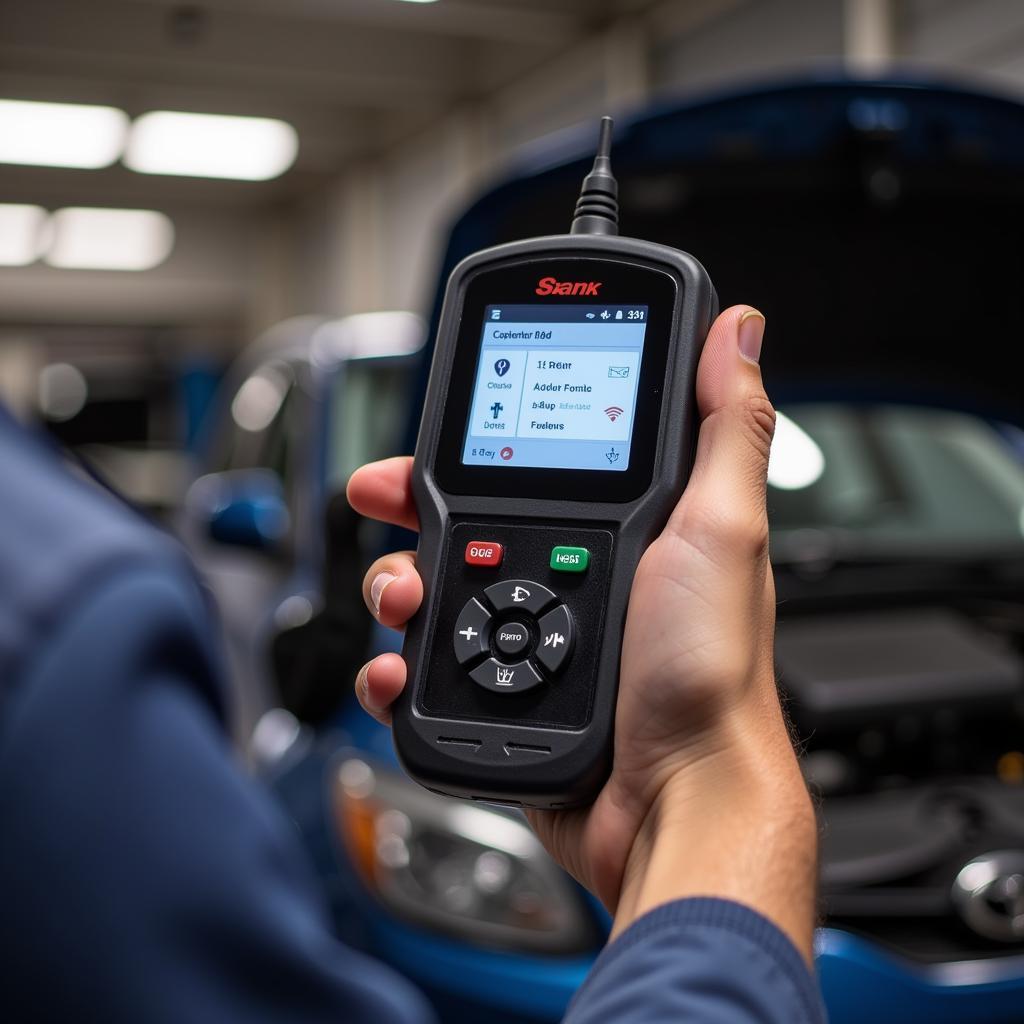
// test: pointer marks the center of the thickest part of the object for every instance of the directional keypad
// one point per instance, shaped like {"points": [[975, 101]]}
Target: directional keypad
{"points": [[502, 647]]}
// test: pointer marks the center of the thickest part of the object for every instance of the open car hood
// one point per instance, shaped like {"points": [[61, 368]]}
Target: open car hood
{"points": [[877, 224]]}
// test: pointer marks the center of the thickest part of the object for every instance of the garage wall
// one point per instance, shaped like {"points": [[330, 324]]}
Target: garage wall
{"points": [[751, 41], [419, 192], [980, 38]]}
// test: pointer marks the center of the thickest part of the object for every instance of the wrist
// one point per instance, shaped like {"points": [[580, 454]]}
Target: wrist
{"points": [[736, 823]]}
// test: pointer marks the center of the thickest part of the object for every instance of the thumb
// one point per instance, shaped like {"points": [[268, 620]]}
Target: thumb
{"points": [[727, 487]]}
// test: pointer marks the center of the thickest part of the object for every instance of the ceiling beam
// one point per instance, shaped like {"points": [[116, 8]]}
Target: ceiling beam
{"points": [[136, 74], [551, 21], [673, 18]]}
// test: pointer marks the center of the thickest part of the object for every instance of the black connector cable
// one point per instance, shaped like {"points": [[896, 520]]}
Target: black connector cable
{"points": [[597, 209]]}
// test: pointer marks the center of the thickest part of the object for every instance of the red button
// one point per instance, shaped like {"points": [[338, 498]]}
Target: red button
{"points": [[484, 552]]}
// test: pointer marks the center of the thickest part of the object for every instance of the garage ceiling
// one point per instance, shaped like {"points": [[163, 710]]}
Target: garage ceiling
{"points": [[353, 76]]}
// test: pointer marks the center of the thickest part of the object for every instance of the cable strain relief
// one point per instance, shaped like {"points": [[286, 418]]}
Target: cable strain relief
{"points": [[597, 209]]}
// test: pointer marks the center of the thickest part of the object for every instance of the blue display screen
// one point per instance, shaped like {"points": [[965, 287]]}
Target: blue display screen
{"points": [[556, 386]]}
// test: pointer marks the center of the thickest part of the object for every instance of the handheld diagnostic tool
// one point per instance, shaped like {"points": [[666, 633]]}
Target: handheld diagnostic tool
{"points": [[557, 435]]}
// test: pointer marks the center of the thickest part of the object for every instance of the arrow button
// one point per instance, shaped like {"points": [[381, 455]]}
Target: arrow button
{"points": [[498, 678], [557, 637], [471, 632], [519, 595]]}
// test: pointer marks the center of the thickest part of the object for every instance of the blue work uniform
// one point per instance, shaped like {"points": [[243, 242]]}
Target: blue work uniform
{"points": [[146, 878]]}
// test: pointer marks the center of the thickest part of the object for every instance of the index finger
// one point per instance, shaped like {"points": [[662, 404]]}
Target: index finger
{"points": [[382, 490]]}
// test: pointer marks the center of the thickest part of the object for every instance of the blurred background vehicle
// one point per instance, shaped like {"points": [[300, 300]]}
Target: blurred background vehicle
{"points": [[267, 520], [361, 149]]}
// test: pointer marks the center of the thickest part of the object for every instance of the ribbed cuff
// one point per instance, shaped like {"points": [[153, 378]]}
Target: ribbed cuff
{"points": [[724, 915]]}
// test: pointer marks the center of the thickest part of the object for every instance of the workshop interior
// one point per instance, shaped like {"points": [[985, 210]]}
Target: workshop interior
{"points": [[226, 231]]}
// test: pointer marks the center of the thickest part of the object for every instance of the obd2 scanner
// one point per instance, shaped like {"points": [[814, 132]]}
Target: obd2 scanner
{"points": [[557, 436]]}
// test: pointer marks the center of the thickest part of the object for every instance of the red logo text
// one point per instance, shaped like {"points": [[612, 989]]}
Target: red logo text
{"points": [[551, 286]]}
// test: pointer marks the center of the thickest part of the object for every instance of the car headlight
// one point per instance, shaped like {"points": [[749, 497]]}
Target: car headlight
{"points": [[464, 869]]}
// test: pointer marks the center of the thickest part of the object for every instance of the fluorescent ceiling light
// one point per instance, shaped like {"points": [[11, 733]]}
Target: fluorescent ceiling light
{"points": [[89, 238], [60, 134], [211, 146], [23, 234]]}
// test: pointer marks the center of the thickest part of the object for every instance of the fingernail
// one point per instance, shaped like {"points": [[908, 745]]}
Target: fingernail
{"points": [[751, 328], [363, 684], [378, 586], [370, 703]]}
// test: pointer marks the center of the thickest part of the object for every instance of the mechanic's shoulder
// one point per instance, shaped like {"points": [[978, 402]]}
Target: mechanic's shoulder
{"points": [[60, 536]]}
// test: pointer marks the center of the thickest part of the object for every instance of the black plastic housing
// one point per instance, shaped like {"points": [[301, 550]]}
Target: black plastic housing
{"points": [[505, 754]]}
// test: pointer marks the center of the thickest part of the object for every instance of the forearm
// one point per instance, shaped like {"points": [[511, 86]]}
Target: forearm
{"points": [[736, 824]]}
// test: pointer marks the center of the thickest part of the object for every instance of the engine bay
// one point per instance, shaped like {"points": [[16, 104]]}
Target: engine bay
{"points": [[909, 713]]}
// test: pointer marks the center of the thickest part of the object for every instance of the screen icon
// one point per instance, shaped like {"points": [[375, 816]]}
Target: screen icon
{"points": [[612, 456], [613, 412], [497, 409], [622, 372], [501, 367], [495, 314], [590, 316], [618, 314], [506, 453], [605, 315]]}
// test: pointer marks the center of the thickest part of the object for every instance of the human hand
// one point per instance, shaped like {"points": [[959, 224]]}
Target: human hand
{"points": [[705, 796]]}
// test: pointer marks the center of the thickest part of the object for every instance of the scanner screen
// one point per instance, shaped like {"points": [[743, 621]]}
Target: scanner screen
{"points": [[556, 386]]}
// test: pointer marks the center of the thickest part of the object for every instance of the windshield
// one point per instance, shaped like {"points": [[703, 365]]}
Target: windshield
{"points": [[862, 482]]}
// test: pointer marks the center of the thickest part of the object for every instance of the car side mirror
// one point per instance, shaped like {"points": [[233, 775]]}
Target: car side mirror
{"points": [[244, 508]]}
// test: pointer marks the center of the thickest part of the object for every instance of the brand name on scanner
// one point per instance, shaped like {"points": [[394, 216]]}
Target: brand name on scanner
{"points": [[552, 286]]}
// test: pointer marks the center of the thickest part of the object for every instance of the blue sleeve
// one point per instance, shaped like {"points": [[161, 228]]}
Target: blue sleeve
{"points": [[705, 961], [145, 876]]}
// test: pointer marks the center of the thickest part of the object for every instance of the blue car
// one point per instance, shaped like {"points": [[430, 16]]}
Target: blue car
{"points": [[877, 224]]}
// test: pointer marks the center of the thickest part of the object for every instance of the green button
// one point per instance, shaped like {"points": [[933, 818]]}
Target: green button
{"points": [[570, 559]]}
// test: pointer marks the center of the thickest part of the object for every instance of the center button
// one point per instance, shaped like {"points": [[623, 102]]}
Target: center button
{"points": [[512, 638]]}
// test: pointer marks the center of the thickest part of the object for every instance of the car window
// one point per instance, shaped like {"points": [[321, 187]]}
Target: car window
{"points": [[369, 407], [891, 480], [255, 420]]}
